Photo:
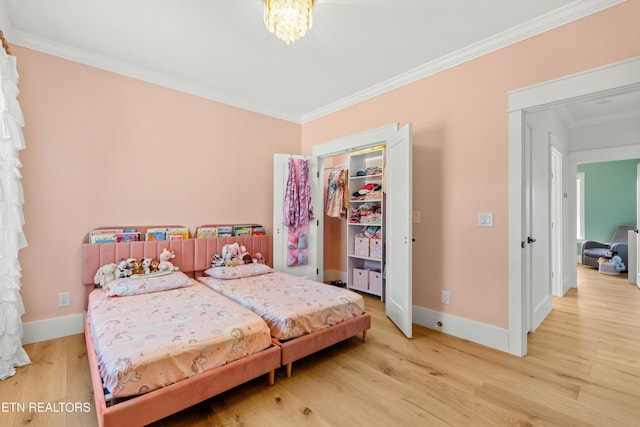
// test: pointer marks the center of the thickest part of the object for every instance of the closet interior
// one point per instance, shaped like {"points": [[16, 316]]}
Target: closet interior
{"points": [[354, 220]]}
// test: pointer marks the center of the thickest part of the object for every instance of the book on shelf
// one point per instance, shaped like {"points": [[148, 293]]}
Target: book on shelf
{"points": [[105, 235], [258, 231], [242, 230], [160, 233], [205, 232], [225, 230], [130, 236]]}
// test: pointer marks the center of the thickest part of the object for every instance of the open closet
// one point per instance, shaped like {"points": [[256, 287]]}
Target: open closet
{"points": [[374, 238]]}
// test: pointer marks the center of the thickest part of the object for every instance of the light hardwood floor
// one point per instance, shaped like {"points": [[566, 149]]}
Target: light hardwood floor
{"points": [[583, 369]]}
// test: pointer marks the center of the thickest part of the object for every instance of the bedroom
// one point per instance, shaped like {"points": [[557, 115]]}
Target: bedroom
{"points": [[106, 149]]}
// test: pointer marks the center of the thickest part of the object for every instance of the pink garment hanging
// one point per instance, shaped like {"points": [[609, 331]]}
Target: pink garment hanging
{"points": [[297, 212]]}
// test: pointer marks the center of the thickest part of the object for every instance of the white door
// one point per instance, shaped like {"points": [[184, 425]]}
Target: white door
{"points": [[557, 198], [538, 174], [398, 251], [311, 270]]}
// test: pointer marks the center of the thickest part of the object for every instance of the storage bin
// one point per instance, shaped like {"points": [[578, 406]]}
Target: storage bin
{"points": [[375, 282], [607, 268], [375, 248], [361, 246], [360, 279]]}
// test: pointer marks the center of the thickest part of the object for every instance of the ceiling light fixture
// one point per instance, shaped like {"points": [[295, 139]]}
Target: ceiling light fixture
{"points": [[289, 20]]}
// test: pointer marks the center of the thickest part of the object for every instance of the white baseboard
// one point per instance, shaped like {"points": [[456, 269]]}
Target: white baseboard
{"points": [[49, 329], [479, 333]]}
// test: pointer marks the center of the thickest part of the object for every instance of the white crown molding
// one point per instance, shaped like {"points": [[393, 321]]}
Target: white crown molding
{"points": [[546, 22], [108, 64], [556, 18]]}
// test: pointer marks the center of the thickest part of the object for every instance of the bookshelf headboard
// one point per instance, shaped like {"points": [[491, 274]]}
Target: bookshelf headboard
{"points": [[193, 256]]}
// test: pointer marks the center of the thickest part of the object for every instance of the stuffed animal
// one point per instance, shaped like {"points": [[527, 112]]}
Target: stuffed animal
{"points": [[165, 264], [617, 262], [136, 266], [217, 261], [153, 267], [105, 274], [230, 251], [146, 265], [123, 269], [258, 258]]}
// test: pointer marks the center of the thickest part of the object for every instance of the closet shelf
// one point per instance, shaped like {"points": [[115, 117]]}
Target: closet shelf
{"points": [[377, 175], [364, 200], [364, 257], [374, 224]]}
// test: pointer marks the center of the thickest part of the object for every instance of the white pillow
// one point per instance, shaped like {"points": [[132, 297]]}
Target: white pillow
{"points": [[244, 270], [136, 285]]}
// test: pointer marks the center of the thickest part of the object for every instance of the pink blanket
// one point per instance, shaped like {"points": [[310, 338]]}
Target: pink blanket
{"points": [[148, 341], [291, 306]]}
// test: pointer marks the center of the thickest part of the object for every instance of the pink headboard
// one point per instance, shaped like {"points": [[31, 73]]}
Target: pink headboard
{"points": [[192, 255]]}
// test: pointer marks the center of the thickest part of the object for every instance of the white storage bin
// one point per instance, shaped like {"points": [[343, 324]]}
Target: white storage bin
{"points": [[607, 268]]}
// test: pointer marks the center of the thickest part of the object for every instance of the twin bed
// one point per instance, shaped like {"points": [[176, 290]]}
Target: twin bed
{"points": [[158, 353]]}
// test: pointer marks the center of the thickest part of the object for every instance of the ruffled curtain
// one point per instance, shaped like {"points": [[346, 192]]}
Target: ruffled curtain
{"points": [[11, 220]]}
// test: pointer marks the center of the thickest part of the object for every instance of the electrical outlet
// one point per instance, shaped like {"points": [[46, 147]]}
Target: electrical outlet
{"points": [[444, 297], [64, 299]]}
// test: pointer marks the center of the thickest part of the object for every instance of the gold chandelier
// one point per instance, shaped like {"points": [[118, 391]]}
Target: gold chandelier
{"points": [[289, 20]]}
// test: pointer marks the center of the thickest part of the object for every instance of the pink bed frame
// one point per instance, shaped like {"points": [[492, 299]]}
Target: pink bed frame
{"points": [[147, 408], [296, 348], [193, 256]]}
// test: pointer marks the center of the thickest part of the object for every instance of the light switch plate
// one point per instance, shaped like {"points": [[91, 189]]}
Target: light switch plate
{"points": [[485, 219]]}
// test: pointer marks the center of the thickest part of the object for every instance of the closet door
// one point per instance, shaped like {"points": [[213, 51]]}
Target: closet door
{"points": [[280, 232], [398, 233]]}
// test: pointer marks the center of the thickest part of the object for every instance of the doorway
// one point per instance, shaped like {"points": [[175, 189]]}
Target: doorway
{"points": [[619, 77]]}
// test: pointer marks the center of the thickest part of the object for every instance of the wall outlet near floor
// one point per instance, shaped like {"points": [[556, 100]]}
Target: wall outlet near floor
{"points": [[64, 299], [444, 297]]}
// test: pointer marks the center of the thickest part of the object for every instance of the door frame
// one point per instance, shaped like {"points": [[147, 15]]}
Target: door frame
{"points": [[618, 77], [557, 223]]}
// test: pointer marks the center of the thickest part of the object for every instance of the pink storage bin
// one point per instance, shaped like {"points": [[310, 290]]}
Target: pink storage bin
{"points": [[375, 248], [375, 282], [361, 246], [360, 279]]}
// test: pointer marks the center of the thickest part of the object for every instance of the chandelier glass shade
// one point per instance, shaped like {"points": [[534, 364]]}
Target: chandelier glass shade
{"points": [[289, 20]]}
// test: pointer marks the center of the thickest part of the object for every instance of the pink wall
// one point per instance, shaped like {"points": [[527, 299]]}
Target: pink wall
{"points": [[460, 153], [104, 149]]}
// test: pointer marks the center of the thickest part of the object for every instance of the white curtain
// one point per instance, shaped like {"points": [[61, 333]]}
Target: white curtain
{"points": [[11, 220]]}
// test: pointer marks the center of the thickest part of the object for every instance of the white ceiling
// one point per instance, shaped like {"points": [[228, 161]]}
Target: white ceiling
{"points": [[221, 50]]}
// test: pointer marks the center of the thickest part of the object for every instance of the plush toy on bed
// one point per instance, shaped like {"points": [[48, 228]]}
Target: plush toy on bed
{"points": [[231, 255], [123, 269], [146, 265], [105, 274], [218, 261], [165, 264], [618, 264], [136, 266], [153, 266], [258, 258]]}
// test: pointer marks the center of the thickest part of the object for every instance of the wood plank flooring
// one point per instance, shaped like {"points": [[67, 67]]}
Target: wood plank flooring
{"points": [[583, 369]]}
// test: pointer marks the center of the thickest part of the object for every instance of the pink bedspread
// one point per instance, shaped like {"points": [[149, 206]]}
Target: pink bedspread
{"points": [[291, 306], [148, 341]]}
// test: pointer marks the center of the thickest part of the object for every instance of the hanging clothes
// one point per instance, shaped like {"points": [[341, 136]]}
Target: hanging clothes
{"points": [[297, 212], [335, 202], [11, 220]]}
